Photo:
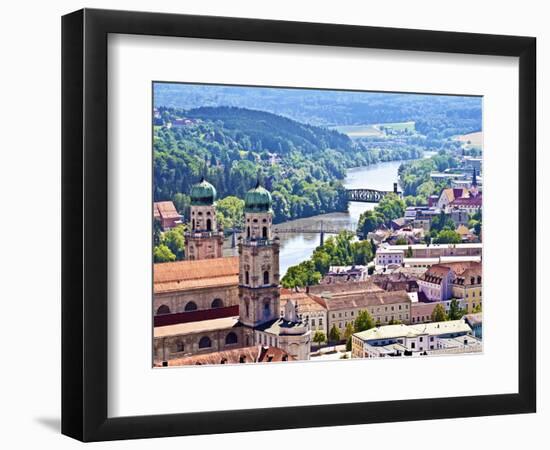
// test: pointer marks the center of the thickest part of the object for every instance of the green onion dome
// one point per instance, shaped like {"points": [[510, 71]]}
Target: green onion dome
{"points": [[203, 194], [257, 199]]}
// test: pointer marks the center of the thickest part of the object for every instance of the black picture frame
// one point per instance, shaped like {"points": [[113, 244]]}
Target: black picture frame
{"points": [[84, 224]]}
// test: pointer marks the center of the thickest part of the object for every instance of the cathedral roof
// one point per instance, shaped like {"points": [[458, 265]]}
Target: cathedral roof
{"points": [[257, 199], [203, 194], [201, 273]]}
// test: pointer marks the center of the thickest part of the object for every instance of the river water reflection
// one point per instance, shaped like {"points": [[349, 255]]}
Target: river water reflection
{"points": [[296, 247]]}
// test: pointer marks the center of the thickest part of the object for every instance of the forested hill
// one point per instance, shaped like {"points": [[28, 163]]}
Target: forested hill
{"points": [[302, 165], [272, 132], [435, 115]]}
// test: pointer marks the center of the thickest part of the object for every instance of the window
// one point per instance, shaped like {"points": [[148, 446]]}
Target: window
{"points": [[163, 309], [217, 303], [246, 277], [266, 309], [193, 222], [247, 307], [231, 338], [205, 342], [179, 346], [190, 306], [208, 224], [413, 345], [264, 232], [248, 232], [421, 339], [312, 322], [431, 338], [266, 277], [320, 321]]}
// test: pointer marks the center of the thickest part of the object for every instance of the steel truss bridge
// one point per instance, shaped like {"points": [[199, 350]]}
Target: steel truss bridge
{"points": [[369, 195]]}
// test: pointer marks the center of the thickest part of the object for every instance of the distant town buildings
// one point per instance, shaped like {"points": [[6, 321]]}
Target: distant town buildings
{"points": [[411, 340]]}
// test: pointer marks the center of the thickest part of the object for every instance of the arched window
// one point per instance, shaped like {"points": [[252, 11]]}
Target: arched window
{"points": [[180, 347], [231, 338], [266, 277], [248, 232], [267, 310], [478, 280], [264, 232], [217, 303], [193, 226], [208, 224], [472, 280], [163, 309], [205, 342], [190, 306], [247, 306], [246, 277]]}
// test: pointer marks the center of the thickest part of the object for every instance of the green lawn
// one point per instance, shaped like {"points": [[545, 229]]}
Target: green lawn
{"points": [[359, 131]]}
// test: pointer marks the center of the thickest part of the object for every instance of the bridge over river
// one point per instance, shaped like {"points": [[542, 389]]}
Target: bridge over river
{"points": [[364, 195], [367, 195]]}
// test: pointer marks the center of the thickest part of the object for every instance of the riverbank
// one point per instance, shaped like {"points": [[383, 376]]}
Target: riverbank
{"points": [[297, 247]]}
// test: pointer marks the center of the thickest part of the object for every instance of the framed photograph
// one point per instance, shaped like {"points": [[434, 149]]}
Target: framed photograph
{"points": [[273, 224]]}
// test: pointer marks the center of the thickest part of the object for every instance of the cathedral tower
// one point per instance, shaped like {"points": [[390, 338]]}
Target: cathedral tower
{"points": [[258, 261], [204, 239]]}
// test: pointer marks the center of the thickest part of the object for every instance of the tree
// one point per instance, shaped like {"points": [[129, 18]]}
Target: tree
{"points": [[319, 337], [369, 221], [182, 203], [364, 321], [174, 240], [161, 253], [448, 237], [439, 314], [409, 252], [334, 334], [401, 241], [157, 231], [349, 330], [230, 212], [455, 311], [477, 308], [348, 344]]}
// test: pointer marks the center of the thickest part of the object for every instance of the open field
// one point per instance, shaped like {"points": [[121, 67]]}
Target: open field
{"points": [[397, 126], [359, 131], [377, 130], [472, 139]]}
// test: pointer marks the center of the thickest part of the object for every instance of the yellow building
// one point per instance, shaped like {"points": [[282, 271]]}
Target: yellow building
{"points": [[468, 286]]}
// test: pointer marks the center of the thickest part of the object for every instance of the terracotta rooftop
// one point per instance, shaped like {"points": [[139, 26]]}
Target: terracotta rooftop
{"points": [[436, 273], [467, 201], [338, 289], [235, 356], [185, 275], [367, 299], [165, 210], [304, 302]]}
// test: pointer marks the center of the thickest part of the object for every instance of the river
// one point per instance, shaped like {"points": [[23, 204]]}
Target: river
{"points": [[297, 247]]}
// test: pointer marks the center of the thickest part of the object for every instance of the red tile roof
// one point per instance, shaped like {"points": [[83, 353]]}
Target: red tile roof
{"points": [[185, 275], [467, 201], [165, 210]]}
